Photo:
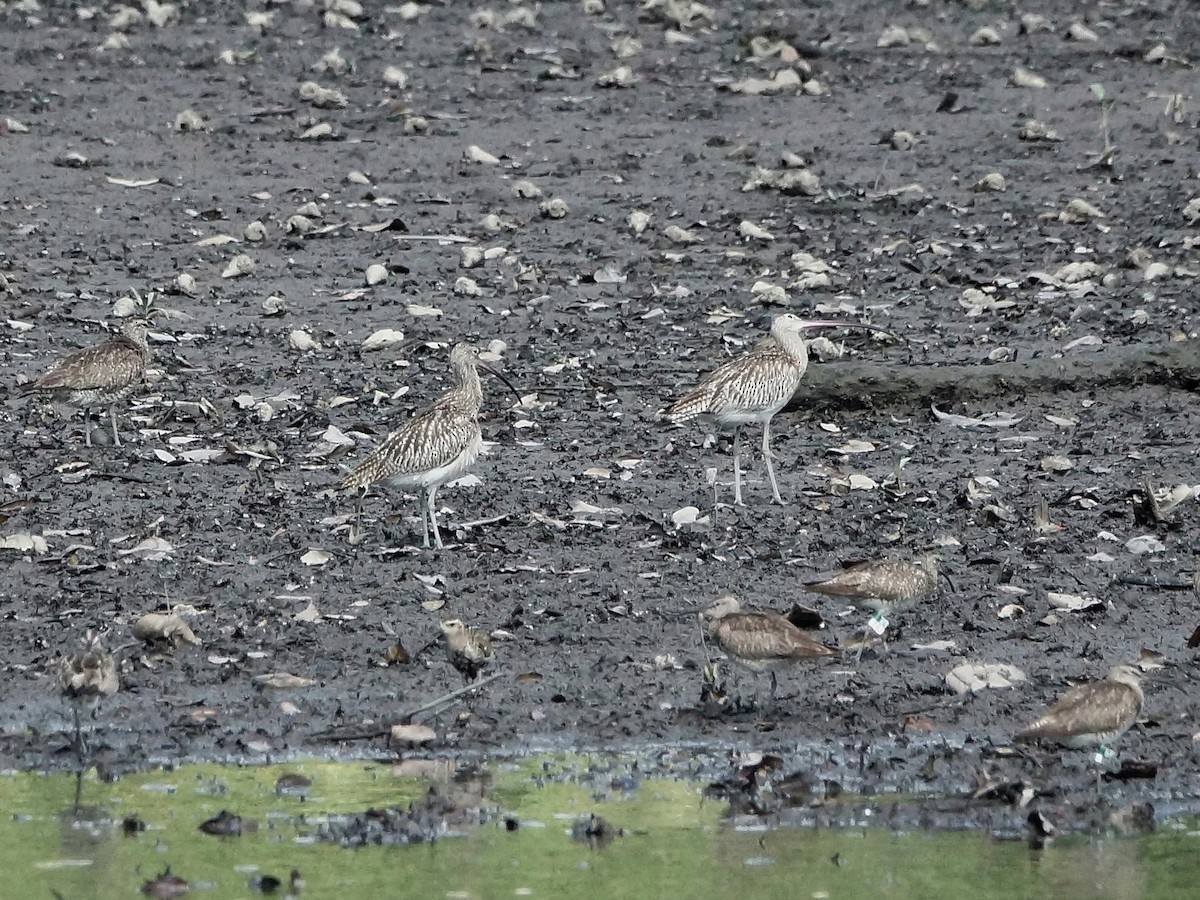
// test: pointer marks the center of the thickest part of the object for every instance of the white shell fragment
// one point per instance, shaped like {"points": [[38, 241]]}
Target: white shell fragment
{"points": [[385, 337], [322, 97], [526, 189], [467, 287], [240, 265], [991, 182], [554, 208], [189, 120], [622, 76], [395, 77], [302, 341], [973, 676], [1023, 78], [255, 231], [377, 273], [164, 627], [481, 156], [186, 284], [749, 230], [638, 221]]}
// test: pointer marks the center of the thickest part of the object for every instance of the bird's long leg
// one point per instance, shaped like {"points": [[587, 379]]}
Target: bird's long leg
{"points": [[112, 417], [737, 466], [437, 535], [767, 457], [774, 685], [87, 426], [422, 506]]}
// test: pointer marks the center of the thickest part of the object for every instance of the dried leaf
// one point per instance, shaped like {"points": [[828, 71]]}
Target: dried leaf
{"points": [[282, 681]]}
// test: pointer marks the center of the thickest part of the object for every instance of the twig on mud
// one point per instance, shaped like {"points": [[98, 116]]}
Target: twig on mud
{"points": [[1151, 581], [350, 734]]}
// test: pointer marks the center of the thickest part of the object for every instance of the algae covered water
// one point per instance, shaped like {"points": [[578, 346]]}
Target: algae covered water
{"points": [[518, 829]]}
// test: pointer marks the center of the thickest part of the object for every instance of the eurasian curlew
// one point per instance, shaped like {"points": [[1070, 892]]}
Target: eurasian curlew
{"points": [[100, 375], [435, 445], [758, 641], [1091, 715], [752, 387], [88, 674]]}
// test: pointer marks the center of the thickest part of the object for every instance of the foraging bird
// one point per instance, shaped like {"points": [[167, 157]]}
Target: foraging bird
{"points": [[434, 446], [1091, 715], [752, 387], [100, 375], [90, 673], [467, 648], [760, 642], [882, 587]]}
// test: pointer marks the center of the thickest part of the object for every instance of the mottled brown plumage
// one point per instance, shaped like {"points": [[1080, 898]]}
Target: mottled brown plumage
{"points": [[468, 649], [752, 387], [88, 673], [1091, 715], [883, 586], [436, 445], [758, 641], [100, 375]]}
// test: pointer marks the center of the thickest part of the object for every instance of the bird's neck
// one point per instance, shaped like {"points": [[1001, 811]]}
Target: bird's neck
{"points": [[791, 343], [466, 383]]}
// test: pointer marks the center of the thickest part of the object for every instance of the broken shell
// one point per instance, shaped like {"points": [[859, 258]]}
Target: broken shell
{"points": [[1023, 78], [750, 230], [470, 256], [242, 264], [357, 177], [992, 182], [255, 231], [554, 208], [298, 224], [322, 97], [320, 131], [481, 156], [302, 341], [467, 287], [621, 77], [638, 221], [893, 36], [1155, 270], [526, 189], [332, 62], [415, 125], [1080, 32], [189, 120], [309, 209], [984, 37], [186, 284], [396, 77], [274, 306], [678, 235], [376, 274], [902, 140]]}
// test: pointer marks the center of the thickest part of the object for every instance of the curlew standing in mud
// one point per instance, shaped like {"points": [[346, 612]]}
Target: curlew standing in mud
{"points": [[467, 648], [100, 375], [88, 674], [758, 641], [434, 446], [752, 387], [882, 587], [1091, 715]]}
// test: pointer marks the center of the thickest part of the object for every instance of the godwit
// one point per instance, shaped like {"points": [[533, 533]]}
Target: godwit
{"points": [[760, 642], [882, 587], [1091, 715], [436, 445], [752, 387], [468, 649], [100, 375], [90, 673]]}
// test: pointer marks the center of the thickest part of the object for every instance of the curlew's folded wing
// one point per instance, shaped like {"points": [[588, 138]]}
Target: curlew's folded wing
{"points": [[1097, 708], [429, 440], [756, 381], [758, 636], [106, 367]]}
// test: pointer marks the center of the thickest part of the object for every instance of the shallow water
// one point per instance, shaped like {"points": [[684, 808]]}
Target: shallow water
{"points": [[676, 843]]}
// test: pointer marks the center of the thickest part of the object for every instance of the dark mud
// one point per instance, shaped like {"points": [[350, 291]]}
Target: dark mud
{"points": [[598, 605]]}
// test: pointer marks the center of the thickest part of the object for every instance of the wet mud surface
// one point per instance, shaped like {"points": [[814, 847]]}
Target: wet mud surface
{"points": [[605, 326]]}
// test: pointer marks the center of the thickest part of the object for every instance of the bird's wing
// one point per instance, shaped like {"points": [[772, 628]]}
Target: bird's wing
{"points": [[1101, 706], [429, 440], [760, 636], [108, 366], [743, 383]]}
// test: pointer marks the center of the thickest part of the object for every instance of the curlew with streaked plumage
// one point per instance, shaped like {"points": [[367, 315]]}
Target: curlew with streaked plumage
{"points": [[88, 674], [434, 446], [1091, 715], [98, 376], [752, 388], [758, 641]]}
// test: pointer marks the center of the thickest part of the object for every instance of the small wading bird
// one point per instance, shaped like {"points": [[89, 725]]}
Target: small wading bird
{"points": [[468, 649], [100, 375], [753, 387], [1091, 715], [434, 446], [88, 674], [882, 587], [758, 641]]}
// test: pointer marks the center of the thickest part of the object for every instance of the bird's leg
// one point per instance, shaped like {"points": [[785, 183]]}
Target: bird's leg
{"points": [[767, 457], [437, 535], [737, 466], [774, 685], [423, 505], [112, 417], [87, 426]]}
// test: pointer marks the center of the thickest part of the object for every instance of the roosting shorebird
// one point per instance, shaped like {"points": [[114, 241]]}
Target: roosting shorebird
{"points": [[88, 674], [467, 648], [434, 446], [1091, 715], [753, 387], [882, 587], [758, 641], [100, 375]]}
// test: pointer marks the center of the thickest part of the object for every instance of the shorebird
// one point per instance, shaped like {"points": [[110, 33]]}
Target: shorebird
{"points": [[100, 375], [468, 649], [882, 587], [88, 674], [1091, 715], [760, 642], [752, 387], [434, 446]]}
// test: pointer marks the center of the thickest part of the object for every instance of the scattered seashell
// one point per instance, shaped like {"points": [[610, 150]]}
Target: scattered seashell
{"points": [[302, 341], [255, 231], [984, 37], [242, 264], [396, 77], [479, 155], [299, 224], [467, 287], [893, 36], [638, 220], [357, 177], [377, 273], [186, 284], [274, 306], [1035, 130], [621, 77], [319, 132], [333, 62], [1023, 78], [554, 208], [991, 182], [526, 190], [385, 337], [1077, 31], [189, 120], [470, 256], [902, 140], [322, 97], [678, 235], [749, 230]]}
